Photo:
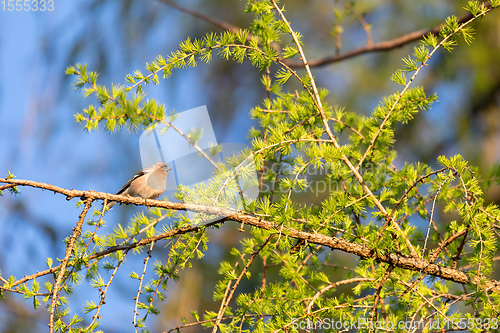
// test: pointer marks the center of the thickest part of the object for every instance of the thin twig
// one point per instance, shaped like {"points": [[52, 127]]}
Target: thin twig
{"points": [[231, 288], [69, 250], [141, 280], [219, 23], [377, 293], [403, 197], [335, 285], [437, 251], [102, 292]]}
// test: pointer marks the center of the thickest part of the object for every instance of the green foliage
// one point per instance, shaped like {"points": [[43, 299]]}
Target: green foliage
{"points": [[12, 189], [326, 175]]}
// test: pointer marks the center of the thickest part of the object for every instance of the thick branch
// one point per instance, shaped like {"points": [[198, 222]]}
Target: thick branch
{"points": [[334, 243]]}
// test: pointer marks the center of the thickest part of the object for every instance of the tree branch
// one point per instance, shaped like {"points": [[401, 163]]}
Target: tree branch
{"points": [[379, 47], [413, 263], [67, 255]]}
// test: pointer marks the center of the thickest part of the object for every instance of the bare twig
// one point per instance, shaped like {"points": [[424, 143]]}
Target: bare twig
{"points": [[219, 23], [366, 27]]}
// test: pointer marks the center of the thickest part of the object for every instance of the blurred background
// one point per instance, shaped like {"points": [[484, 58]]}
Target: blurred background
{"points": [[40, 140]]}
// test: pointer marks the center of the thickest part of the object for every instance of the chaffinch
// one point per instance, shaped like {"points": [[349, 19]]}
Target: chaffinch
{"points": [[149, 183]]}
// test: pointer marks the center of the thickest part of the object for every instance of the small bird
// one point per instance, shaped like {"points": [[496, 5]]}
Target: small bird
{"points": [[149, 183]]}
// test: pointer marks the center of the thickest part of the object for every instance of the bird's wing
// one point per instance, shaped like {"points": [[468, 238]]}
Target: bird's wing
{"points": [[137, 175]]}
